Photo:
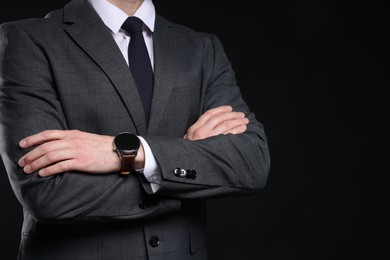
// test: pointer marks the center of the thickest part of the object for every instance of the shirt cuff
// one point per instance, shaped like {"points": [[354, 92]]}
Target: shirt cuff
{"points": [[151, 170]]}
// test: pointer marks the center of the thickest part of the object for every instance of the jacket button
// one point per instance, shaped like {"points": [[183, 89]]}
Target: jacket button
{"points": [[154, 241]]}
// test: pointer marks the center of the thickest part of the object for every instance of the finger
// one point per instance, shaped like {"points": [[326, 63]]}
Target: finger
{"points": [[225, 127], [41, 150], [60, 167], [48, 159], [231, 126], [209, 114], [223, 119], [219, 121], [210, 119], [237, 130], [42, 137]]}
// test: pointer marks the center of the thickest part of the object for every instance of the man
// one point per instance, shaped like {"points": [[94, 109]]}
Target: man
{"points": [[98, 176]]}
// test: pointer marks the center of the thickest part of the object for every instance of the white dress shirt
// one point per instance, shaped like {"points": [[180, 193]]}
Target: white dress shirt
{"points": [[113, 18]]}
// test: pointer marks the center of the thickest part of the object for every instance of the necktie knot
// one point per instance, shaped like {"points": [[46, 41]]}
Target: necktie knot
{"points": [[132, 25]]}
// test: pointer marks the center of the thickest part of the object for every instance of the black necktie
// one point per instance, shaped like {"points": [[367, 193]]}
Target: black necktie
{"points": [[139, 61]]}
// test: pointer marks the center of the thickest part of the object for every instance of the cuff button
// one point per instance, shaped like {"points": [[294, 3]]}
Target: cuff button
{"points": [[177, 172]]}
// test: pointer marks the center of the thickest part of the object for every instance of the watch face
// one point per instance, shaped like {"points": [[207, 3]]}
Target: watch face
{"points": [[127, 141]]}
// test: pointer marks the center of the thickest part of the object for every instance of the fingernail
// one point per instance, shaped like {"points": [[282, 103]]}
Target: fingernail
{"points": [[27, 169], [21, 162], [23, 143], [41, 173]]}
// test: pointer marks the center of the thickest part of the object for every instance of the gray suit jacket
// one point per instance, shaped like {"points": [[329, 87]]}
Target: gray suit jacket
{"points": [[66, 72]]}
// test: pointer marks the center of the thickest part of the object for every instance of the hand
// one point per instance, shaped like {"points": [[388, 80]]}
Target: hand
{"points": [[59, 151], [219, 120]]}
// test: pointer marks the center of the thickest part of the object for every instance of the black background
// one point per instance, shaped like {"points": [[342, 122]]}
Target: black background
{"points": [[316, 74]]}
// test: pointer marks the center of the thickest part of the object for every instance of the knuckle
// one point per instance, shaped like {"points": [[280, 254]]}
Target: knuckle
{"points": [[26, 159], [44, 148], [71, 133], [47, 133], [207, 114], [214, 121], [63, 166], [223, 127], [52, 156], [226, 124], [191, 129], [35, 165], [199, 133], [195, 134], [74, 131], [240, 129]]}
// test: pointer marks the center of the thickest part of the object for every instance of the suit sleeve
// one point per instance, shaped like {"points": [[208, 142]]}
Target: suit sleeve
{"points": [[224, 165], [29, 103]]}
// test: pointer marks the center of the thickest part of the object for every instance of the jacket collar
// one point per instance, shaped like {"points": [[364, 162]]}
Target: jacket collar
{"points": [[86, 28]]}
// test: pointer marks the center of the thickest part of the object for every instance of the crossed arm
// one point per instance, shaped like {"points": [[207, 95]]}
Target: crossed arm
{"points": [[234, 164], [58, 151]]}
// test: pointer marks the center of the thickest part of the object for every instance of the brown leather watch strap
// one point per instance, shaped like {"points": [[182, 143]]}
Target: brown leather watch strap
{"points": [[127, 163]]}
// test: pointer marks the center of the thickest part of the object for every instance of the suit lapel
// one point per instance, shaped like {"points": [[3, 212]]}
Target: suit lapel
{"points": [[165, 69], [88, 30]]}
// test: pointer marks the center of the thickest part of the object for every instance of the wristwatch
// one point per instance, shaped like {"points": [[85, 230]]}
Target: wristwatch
{"points": [[126, 145]]}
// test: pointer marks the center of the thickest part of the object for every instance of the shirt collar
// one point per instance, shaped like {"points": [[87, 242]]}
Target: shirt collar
{"points": [[113, 17]]}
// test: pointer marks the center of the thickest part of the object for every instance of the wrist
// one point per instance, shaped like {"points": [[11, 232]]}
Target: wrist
{"points": [[111, 160], [139, 162]]}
